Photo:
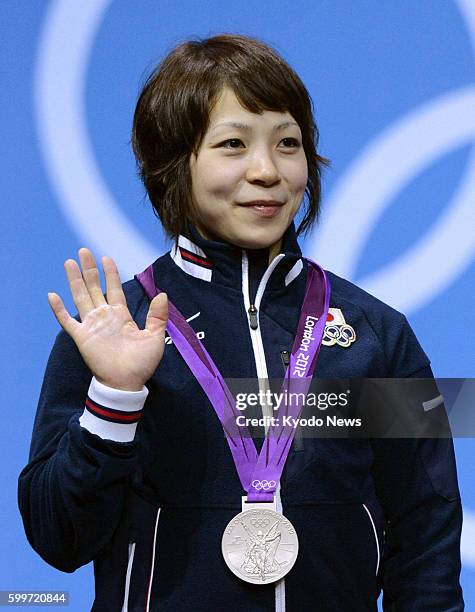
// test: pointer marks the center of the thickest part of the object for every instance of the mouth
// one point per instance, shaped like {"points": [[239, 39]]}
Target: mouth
{"points": [[264, 208], [262, 203]]}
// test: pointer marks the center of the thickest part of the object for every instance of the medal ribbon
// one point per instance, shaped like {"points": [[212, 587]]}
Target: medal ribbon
{"points": [[259, 474]]}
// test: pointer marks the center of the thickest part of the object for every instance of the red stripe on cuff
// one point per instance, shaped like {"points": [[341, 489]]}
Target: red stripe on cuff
{"points": [[124, 416]]}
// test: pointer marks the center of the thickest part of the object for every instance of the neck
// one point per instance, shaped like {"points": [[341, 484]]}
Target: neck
{"points": [[275, 249]]}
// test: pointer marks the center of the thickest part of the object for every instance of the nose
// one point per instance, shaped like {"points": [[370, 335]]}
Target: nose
{"points": [[262, 168]]}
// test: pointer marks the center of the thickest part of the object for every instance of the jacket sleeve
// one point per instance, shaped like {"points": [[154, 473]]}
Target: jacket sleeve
{"points": [[71, 493], [416, 483]]}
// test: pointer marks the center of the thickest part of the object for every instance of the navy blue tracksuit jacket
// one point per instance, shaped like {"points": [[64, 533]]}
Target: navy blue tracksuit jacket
{"points": [[148, 502]]}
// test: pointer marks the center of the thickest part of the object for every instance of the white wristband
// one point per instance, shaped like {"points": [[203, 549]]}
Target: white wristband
{"points": [[112, 414]]}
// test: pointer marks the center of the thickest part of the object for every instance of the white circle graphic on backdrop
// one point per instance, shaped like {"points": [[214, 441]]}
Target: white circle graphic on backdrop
{"points": [[376, 176], [59, 87], [380, 172], [406, 147]]}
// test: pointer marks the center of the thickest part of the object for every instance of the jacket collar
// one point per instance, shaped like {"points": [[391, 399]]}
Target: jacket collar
{"points": [[222, 262]]}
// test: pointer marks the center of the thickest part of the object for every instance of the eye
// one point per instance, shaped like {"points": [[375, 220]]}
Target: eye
{"points": [[291, 142], [230, 143]]}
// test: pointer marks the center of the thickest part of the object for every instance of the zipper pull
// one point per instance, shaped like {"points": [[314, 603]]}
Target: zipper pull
{"points": [[253, 317], [285, 358]]}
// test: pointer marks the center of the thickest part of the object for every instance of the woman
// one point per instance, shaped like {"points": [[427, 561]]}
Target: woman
{"points": [[129, 466]]}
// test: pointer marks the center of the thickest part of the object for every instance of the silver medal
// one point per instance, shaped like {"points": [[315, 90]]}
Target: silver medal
{"points": [[260, 545]]}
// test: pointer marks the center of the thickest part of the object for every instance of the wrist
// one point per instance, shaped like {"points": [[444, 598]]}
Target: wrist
{"points": [[120, 386]]}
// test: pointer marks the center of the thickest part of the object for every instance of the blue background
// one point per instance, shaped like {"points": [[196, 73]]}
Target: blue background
{"points": [[366, 63]]}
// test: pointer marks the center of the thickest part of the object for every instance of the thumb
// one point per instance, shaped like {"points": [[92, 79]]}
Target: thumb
{"points": [[157, 316]]}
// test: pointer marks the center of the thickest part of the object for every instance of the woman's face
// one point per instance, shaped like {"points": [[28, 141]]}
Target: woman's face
{"points": [[249, 175]]}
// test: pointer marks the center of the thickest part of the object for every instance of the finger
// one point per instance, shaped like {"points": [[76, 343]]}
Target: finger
{"points": [[157, 316], [66, 321], [115, 293], [90, 274], [79, 291]]}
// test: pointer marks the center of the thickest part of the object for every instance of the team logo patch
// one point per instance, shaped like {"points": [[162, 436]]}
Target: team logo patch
{"points": [[337, 330]]}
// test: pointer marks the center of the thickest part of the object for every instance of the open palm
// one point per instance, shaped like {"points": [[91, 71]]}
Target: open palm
{"points": [[118, 353]]}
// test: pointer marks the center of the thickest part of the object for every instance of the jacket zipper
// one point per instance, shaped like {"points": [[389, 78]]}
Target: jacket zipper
{"points": [[253, 310], [253, 317], [261, 368]]}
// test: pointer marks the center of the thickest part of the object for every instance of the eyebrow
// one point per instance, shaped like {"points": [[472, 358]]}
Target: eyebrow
{"points": [[244, 126]]}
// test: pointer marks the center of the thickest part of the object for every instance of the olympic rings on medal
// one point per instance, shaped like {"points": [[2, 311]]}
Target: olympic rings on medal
{"points": [[263, 485], [260, 523]]}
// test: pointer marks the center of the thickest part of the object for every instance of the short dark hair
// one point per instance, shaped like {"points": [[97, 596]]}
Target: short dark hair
{"points": [[173, 109]]}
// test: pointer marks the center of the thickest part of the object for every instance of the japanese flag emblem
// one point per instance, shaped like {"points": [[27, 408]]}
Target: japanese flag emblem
{"points": [[337, 330]]}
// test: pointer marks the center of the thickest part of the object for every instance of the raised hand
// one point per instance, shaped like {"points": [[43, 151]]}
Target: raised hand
{"points": [[118, 353]]}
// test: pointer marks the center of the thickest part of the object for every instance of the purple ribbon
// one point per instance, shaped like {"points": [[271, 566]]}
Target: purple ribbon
{"points": [[259, 474]]}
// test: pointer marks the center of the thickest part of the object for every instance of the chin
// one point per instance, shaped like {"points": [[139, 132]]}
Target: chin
{"points": [[257, 241]]}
